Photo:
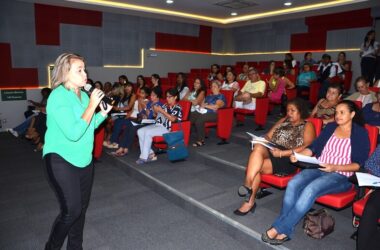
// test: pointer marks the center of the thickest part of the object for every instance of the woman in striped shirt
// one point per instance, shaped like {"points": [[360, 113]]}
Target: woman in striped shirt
{"points": [[343, 147]]}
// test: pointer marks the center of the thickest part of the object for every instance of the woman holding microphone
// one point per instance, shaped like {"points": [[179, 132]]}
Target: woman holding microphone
{"points": [[69, 139]]}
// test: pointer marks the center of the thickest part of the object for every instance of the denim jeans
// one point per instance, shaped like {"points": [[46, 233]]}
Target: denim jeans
{"points": [[23, 127], [301, 193], [118, 129]]}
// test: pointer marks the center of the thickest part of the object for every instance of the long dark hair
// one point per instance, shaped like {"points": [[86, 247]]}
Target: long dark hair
{"points": [[352, 107], [202, 88], [156, 76], [183, 84], [143, 79], [366, 38]]}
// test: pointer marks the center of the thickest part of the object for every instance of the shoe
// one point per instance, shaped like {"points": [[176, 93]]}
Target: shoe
{"points": [[265, 237], [152, 157], [246, 192], [141, 161], [13, 132], [277, 242], [240, 213]]}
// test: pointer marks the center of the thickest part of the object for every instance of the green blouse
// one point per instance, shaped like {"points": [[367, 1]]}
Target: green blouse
{"points": [[67, 133]]}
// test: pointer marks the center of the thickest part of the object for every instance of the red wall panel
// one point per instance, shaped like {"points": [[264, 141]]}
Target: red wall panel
{"points": [[318, 26], [202, 43], [18, 77], [48, 18]]}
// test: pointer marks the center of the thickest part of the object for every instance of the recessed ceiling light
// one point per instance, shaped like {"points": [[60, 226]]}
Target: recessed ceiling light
{"points": [[288, 3], [169, 1], [234, 13]]}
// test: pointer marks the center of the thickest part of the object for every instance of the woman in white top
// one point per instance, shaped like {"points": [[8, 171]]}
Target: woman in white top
{"points": [[197, 96], [368, 52], [230, 83], [182, 85]]}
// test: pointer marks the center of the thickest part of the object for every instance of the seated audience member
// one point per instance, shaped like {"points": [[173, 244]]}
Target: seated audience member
{"points": [[215, 69], [156, 81], [270, 69], [140, 82], [277, 85], [243, 76], [197, 96], [289, 58], [131, 116], [326, 72], [123, 79], [168, 113], [229, 69], [362, 93], [230, 83], [182, 85], [219, 77], [253, 88], [325, 108], [98, 85], [207, 112], [305, 78], [29, 115], [368, 232], [146, 112], [371, 112], [123, 109], [342, 147], [107, 88], [293, 133], [308, 58], [341, 60], [289, 69]]}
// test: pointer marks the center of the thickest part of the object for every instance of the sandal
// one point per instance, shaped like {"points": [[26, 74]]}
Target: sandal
{"points": [[198, 144], [120, 153]]}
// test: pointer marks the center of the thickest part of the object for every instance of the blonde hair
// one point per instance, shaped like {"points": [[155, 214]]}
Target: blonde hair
{"points": [[62, 67]]}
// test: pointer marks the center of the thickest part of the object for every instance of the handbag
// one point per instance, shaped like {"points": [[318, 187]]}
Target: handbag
{"points": [[372, 164], [176, 146], [318, 224]]}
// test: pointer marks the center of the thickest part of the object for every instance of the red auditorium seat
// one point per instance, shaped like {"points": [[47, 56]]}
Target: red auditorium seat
{"points": [[98, 143], [341, 200], [159, 141], [314, 90], [225, 118], [347, 81], [358, 209], [359, 104], [291, 93], [260, 113], [374, 89], [282, 181]]}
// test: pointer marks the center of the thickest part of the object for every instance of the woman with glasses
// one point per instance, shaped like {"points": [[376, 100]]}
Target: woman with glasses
{"points": [[168, 113]]}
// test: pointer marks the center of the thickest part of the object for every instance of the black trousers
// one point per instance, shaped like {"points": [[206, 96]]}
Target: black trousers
{"points": [[368, 233], [368, 68], [72, 186], [198, 120]]}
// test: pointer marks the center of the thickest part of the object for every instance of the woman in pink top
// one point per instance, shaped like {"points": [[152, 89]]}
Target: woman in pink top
{"points": [[277, 85]]}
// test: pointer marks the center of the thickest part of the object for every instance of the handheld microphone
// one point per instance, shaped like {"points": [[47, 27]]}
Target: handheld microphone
{"points": [[88, 88]]}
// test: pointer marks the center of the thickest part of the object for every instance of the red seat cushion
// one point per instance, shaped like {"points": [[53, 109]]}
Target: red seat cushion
{"points": [[277, 181], [358, 206], [339, 200]]}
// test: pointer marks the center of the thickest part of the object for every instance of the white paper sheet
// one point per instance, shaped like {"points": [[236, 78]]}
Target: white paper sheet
{"points": [[365, 179], [307, 159]]}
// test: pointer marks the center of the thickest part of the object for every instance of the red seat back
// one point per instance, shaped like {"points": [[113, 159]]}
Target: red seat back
{"points": [[186, 106], [359, 104], [229, 95], [373, 133], [317, 125], [374, 89]]}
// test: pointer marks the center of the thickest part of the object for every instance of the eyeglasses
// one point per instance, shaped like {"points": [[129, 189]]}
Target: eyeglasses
{"points": [[169, 96]]}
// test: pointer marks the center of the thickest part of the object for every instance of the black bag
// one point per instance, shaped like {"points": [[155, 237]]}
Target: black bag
{"points": [[318, 224], [177, 149]]}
